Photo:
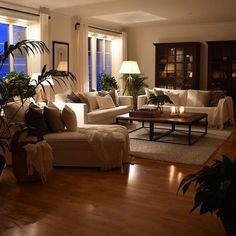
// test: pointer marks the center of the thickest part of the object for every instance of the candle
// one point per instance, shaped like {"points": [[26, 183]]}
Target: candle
{"points": [[173, 110], [181, 109]]}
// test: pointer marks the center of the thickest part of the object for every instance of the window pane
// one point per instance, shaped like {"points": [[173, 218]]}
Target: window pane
{"points": [[20, 60], [99, 57], [108, 57], [90, 62], [4, 36]]}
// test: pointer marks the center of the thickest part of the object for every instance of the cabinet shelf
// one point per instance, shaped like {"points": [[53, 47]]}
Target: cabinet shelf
{"points": [[177, 65]]}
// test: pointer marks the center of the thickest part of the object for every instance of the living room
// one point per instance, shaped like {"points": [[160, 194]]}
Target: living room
{"points": [[139, 198]]}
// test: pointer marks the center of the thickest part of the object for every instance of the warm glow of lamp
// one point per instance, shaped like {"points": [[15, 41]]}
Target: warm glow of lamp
{"points": [[62, 66], [170, 68], [129, 67]]}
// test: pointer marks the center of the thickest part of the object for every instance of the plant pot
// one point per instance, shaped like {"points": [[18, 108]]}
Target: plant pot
{"points": [[2, 163], [229, 223]]}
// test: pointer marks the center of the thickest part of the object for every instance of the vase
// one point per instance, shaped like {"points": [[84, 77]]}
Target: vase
{"points": [[2, 163]]}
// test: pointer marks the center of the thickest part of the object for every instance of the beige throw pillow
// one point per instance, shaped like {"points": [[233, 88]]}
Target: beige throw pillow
{"points": [[69, 118], [105, 102], [89, 98], [112, 94], [15, 111], [173, 97], [198, 98]]}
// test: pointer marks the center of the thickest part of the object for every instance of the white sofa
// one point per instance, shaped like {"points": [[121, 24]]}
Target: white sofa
{"points": [[194, 101], [97, 116], [105, 146]]}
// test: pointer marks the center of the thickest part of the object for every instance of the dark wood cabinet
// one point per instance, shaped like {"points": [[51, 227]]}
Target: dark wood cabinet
{"points": [[222, 66], [177, 65]]}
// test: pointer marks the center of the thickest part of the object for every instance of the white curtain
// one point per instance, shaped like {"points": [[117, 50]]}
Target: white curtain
{"points": [[44, 35], [82, 58], [119, 54]]}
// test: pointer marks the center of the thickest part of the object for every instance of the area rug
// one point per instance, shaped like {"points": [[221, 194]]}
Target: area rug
{"points": [[195, 154]]}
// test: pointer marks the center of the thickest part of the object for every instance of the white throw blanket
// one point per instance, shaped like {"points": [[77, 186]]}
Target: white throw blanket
{"points": [[111, 145], [39, 158]]}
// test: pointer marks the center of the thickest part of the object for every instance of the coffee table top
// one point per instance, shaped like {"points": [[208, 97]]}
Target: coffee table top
{"points": [[167, 117]]}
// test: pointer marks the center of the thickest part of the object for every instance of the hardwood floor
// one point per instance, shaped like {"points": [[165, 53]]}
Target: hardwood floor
{"points": [[75, 201]]}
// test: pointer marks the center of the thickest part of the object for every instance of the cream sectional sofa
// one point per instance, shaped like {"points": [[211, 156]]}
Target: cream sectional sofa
{"points": [[97, 116], [195, 101]]}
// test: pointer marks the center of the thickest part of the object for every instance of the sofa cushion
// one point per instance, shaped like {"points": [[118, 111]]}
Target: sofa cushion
{"points": [[34, 118], [112, 94], [99, 115], [52, 116], [105, 102], [89, 98], [69, 118], [73, 97], [174, 97], [198, 98], [216, 96]]}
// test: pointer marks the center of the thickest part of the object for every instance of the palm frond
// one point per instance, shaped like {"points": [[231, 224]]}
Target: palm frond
{"points": [[23, 46]]}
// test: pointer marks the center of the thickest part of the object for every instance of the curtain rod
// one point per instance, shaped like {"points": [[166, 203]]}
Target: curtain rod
{"points": [[98, 28], [25, 12]]}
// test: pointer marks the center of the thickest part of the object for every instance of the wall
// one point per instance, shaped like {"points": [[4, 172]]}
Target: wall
{"points": [[141, 39], [61, 28]]}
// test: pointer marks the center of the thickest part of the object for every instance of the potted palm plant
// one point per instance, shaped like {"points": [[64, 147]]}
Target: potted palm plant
{"points": [[215, 191], [135, 86], [18, 84], [159, 101]]}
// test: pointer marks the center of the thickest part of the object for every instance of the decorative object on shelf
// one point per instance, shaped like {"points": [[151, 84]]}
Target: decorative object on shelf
{"points": [[216, 191], [108, 82], [177, 65], [159, 101], [60, 52], [173, 110]]}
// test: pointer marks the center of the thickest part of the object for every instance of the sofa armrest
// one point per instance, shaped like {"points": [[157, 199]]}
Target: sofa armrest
{"points": [[225, 111], [141, 100], [80, 109], [126, 100]]}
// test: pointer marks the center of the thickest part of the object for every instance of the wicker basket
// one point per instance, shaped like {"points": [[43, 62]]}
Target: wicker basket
{"points": [[19, 159]]}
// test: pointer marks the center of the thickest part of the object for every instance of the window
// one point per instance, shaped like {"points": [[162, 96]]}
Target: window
{"points": [[99, 60], [13, 34]]}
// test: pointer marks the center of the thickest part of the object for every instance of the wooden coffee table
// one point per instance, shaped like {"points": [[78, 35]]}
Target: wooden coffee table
{"points": [[186, 119]]}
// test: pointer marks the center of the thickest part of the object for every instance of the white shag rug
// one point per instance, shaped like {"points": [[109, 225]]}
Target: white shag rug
{"points": [[195, 154]]}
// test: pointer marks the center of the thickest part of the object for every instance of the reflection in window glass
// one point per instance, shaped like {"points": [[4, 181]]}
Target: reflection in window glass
{"points": [[99, 66], [108, 57], [90, 62], [4, 36], [20, 60]]}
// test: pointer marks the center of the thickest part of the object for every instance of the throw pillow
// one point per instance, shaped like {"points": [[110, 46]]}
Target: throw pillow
{"points": [[52, 116], [72, 97], [192, 97], [203, 98], [69, 118], [198, 98], [174, 97], [89, 98], [216, 96], [105, 102], [15, 111], [112, 94], [34, 118], [149, 92]]}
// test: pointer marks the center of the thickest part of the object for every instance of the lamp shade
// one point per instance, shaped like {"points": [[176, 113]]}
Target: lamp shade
{"points": [[62, 66], [35, 77], [129, 67]]}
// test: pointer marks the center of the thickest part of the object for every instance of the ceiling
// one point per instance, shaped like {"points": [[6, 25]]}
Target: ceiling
{"points": [[125, 13]]}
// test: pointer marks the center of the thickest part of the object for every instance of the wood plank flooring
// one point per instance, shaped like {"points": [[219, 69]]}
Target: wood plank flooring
{"points": [[76, 201]]}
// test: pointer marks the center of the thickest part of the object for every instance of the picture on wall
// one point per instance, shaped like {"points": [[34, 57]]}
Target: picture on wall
{"points": [[60, 52]]}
